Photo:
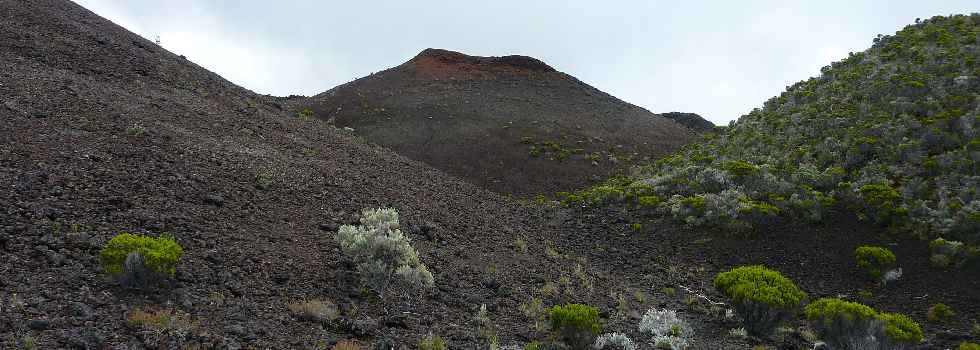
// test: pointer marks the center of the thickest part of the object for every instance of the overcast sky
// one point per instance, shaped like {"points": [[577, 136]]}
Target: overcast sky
{"points": [[720, 59]]}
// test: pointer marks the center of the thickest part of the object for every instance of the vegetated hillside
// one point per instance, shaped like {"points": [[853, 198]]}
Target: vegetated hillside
{"points": [[511, 124], [892, 133], [691, 121], [882, 149]]}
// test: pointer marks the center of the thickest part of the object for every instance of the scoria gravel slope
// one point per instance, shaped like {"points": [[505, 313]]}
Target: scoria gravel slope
{"points": [[102, 131]]}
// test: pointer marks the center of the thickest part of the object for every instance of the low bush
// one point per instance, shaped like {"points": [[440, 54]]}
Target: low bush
{"points": [[667, 330], [576, 325], [874, 261], [432, 343], [946, 253], [940, 313], [763, 297], [845, 325], [968, 346], [166, 328], [138, 260], [381, 251], [346, 345], [314, 310], [614, 341]]}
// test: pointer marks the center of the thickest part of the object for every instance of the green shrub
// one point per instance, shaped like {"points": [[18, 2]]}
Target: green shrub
{"points": [[432, 343], [901, 328], [739, 168], [940, 313], [945, 253], [137, 259], [763, 297], [305, 114], [968, 346], [883, 203], [875, 261], [576, 325], [848, 325]]}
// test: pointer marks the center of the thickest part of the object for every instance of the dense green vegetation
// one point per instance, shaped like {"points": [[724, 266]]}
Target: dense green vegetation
{"points": [[763, 297], [159, 255], [892, 133], [875, 261], [576, 325], [847, 325]]}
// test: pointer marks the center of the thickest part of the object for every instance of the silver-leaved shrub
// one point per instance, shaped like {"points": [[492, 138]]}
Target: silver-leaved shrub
{"points": [[382, 253]]}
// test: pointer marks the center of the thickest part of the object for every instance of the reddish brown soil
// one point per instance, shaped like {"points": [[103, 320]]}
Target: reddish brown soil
{"points": [[102, 131], [477, 118]]}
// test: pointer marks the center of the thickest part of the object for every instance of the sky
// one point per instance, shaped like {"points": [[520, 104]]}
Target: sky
{"points": [[719, 59]]}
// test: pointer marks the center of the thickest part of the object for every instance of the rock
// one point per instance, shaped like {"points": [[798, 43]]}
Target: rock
{"points": [[84, 339], [397, 321], [39, 324], [384, 344], [232, 344], [237, 329], [328, 227], [81, 311], [359, 328], [215, 200], [54, 258]]}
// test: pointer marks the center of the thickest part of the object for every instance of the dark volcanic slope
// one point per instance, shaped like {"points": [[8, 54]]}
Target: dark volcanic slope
{"points": [[102, 131], [506, 123], [690, 120]]}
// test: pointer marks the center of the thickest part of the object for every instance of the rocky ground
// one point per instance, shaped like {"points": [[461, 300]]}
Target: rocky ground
{"points": [[102, 131]]}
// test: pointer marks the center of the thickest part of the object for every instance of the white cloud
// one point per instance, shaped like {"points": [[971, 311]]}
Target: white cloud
{"points": [[720, 59]]}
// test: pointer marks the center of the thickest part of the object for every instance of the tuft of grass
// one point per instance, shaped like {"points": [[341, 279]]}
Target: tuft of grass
{"points": [[940, 313], [432, 343], [162, 321], [520, 245], [314, 310], [305, 114], [552, 253], [136, 130], [535, 311], [346, 345]]}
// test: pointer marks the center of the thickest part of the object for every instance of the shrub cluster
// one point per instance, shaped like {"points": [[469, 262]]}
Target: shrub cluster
{"points": [[892, 133], [875, 261], [763, 297], [845, 325], [381, 251], [138, 260], [576, 325], [946, 253]]}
